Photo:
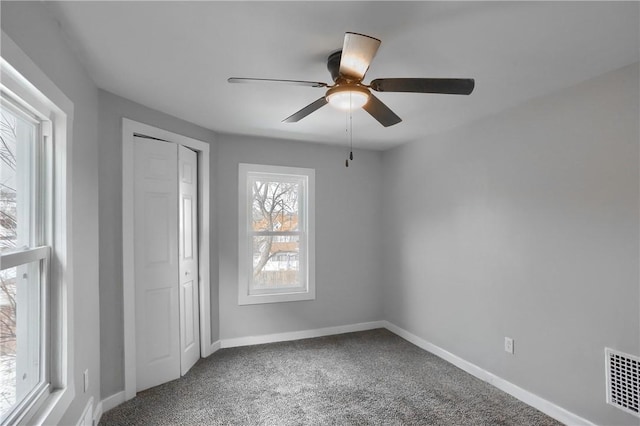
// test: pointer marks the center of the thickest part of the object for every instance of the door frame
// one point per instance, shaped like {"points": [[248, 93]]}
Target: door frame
{"points": [[129, 129]]}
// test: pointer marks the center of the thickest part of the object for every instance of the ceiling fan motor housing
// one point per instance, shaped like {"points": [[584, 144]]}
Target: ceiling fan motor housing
{"points": [[333, 65]]}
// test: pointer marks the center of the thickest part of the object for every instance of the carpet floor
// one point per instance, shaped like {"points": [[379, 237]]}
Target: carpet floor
{"points": [[365, 378]]}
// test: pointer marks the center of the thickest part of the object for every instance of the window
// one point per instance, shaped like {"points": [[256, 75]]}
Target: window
{"points": [[25, 257], [36, 371], [276, 247]]}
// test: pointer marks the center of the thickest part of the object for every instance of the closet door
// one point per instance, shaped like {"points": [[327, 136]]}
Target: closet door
{"points": [[156, 262], [188, 262]]}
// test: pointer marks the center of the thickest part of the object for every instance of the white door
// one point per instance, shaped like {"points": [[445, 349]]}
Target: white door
{"points": [[156, 262], [188, 258]]}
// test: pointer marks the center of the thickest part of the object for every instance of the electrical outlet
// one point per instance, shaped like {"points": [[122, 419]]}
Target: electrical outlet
{"points": [[508, 345], [86, 380]]}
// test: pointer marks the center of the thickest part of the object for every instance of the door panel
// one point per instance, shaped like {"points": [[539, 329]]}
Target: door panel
{"points": [[158, 343], [187, 227], [156, 262], [188, 259], [157, 233], [188, 298]]}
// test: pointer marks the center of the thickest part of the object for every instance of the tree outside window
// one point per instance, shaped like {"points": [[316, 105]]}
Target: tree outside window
{"points": [[275, 220], [8, 238]]}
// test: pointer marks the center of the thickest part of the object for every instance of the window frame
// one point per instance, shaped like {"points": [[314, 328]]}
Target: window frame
{"points": [[307, 290], [37, 247], [26, 85]]}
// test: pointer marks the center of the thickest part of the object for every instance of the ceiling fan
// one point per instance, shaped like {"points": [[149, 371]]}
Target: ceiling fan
{"points": [[348, 67]]}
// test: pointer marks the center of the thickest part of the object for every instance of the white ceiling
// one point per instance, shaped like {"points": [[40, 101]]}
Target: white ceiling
{"points": [[176, 57]]}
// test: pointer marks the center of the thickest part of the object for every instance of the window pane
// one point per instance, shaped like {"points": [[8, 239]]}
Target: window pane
{"points": [[17, 141], [276, 262], [274, 205], [20, 336], [275, 249]]}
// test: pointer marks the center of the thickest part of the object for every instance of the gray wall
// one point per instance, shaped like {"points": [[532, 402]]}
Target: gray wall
{"points": [[30, 27], [348, 243], [524, 224], [112, 109]]}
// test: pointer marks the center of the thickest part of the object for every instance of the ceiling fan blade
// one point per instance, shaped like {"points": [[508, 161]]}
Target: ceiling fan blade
{"points": [[306, 111], [358, 51], [269, 80], [450, 86], [381, 112]]}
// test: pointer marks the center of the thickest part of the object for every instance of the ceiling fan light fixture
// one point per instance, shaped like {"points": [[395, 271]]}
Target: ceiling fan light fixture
{"points": [[347, 97]]}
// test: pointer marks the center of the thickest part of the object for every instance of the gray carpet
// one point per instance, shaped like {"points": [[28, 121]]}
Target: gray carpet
{"points": [[366, 378]]}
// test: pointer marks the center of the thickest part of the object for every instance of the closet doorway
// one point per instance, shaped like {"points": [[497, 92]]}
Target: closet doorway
{"points": [[166, 261], [166, 288]]}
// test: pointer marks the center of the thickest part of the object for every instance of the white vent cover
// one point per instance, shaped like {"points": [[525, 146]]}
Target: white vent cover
{"points": [[623, 380]]}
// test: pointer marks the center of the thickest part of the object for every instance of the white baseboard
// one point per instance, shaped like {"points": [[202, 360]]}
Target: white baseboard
{"points": [[107, 404], [297, 335], [213, 348], [523, 395], [86, 419], [97, 414]]}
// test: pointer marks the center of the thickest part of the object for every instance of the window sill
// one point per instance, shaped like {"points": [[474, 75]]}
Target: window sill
{"points": [[51, 409], [257, 299]]}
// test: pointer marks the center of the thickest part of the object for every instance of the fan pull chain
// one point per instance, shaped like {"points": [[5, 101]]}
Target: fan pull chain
{"points": [[346, 130], [349, 130], [350, 135]]}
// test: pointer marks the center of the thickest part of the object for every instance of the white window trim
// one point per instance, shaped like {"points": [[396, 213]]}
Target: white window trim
{"points": [[244, 298], [23, 80]]}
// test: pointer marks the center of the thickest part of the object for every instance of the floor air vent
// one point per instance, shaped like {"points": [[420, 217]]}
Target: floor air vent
{"points": [[623, 380]]}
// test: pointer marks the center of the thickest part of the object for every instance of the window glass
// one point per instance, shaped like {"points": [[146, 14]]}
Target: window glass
{"points": [[276, 262], [276, 232], [17, 139], [23, 263], [20, 308]]}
